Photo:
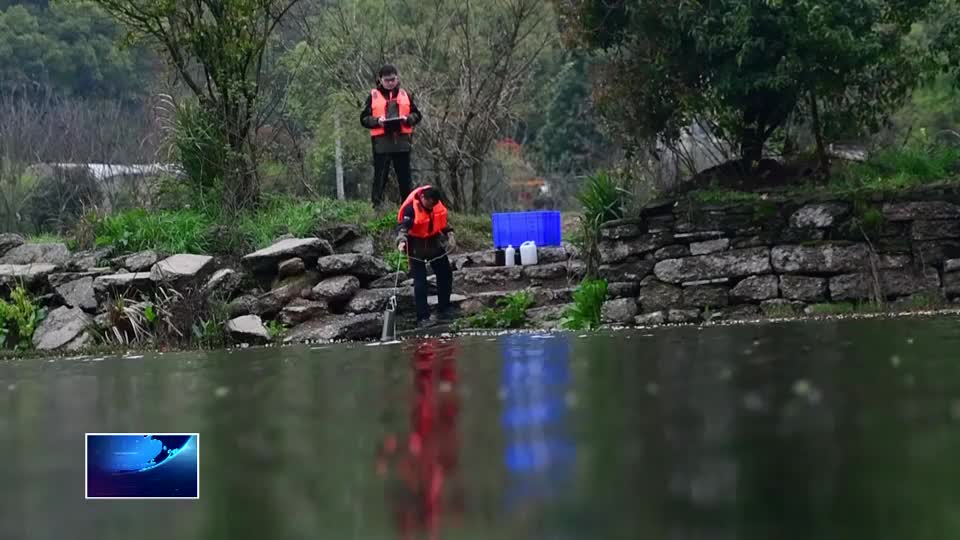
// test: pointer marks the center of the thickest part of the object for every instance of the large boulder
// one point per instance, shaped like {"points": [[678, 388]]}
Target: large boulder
{"points": [[622, 229], [545, 272], [337, 328], [223, 283], [376, 300], [56, 254], [705, 296], [300, 310], [622, 289], [339, 234], [267, 259], [389, 281], [9, 241], [737, 263], [78, 293], [93, 258], [674, 251], [476, 258], [893, 283], [30, 275], [909, 211], [248, 328], [655, 295], [291, 267], [804, 288], [924, 229], [182, 269], [634, 270], [828, 258], [362, 245], [141, 261], [122, 284], [337, 289], [756, 288], [709, 246], [364, 267], [60, 327], [621, 250], [819, 215], [496, 275], [620, 311]]}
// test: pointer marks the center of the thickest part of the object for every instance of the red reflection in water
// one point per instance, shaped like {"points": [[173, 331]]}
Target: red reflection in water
{"points": [[422, 465]]}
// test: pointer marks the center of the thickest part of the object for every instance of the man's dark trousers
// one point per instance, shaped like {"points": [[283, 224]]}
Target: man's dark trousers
{"points": [[441, 268], [381, 166]]}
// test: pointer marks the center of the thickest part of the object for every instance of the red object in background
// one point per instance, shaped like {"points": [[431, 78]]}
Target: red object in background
{"points": [[509, 145], [425, 463]]}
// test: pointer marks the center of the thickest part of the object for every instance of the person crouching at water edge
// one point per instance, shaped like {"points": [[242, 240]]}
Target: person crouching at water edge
{"points": [[425, 237]]}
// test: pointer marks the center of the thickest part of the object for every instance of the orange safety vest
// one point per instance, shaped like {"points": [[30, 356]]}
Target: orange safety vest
{"points": [[378, 108], [425, 224]]}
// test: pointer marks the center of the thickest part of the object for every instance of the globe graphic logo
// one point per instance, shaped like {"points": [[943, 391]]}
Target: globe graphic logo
{"points": [[136, 453]]}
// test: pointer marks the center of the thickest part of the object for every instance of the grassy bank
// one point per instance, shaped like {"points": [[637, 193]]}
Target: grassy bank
{"points": [[886, 172], [193, 230]]}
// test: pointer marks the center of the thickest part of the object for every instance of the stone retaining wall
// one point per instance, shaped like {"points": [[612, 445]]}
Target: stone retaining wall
{"points": [[681, 261]]}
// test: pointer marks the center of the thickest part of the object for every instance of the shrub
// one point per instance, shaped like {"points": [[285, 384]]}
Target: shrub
{"points": [[511, 312], [587, 303], [19, 319]]}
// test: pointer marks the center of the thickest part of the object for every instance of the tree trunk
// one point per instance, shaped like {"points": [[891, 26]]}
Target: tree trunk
{"points": [[751, 147], [338, 159], [477, 178], [240, 187], [818, 134], [455, 177]]}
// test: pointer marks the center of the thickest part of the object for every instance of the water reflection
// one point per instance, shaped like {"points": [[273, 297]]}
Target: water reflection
{"points": [[420, 466], [539, 452]]}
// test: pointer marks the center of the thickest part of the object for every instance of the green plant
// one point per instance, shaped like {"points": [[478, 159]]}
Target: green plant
{"points": [[587, 303], [20, 318], [277, 330], [724, 196], [170, 231], [511, 312], [397, 260], [603, 199]]}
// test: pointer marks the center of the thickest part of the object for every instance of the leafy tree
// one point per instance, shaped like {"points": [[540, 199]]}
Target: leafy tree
{"points": [[73, 49], [570, 139], [747, 66], [217, 48], [468, 64]]}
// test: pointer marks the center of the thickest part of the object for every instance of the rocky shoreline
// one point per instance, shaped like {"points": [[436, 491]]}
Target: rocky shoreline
{"points": [[675, 263]]}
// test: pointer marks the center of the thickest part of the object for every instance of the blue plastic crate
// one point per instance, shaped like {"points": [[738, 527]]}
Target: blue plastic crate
{"points": [[515, 228]]}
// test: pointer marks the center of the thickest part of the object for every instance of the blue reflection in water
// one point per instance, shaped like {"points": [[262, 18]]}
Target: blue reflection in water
{"points": [[539, 451]]}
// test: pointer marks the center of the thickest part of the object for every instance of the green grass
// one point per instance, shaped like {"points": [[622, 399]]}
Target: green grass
{"points": [[205, 230], [46, 239], [180, 231], [896, 169]]}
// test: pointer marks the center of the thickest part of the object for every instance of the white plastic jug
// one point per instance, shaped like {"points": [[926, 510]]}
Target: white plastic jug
{"points": [[510, 256], [528, 253]]}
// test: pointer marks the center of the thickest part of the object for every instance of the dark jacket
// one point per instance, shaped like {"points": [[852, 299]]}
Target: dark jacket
{"points": [[393, 141], [422, 248]]}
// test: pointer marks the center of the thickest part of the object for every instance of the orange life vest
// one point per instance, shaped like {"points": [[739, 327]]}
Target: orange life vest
{"points": [[378, 108], [425, 224]]}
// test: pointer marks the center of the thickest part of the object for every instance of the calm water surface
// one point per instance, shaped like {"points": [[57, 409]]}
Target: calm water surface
{"points": [[845, 429]]}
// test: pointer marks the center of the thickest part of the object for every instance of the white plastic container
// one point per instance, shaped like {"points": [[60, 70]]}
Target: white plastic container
{"points": [[510, 256], [528, 253]]}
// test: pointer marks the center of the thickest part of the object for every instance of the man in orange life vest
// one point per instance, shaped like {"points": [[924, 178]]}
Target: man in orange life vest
{"points": [[425, 236], [390, 114]]}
